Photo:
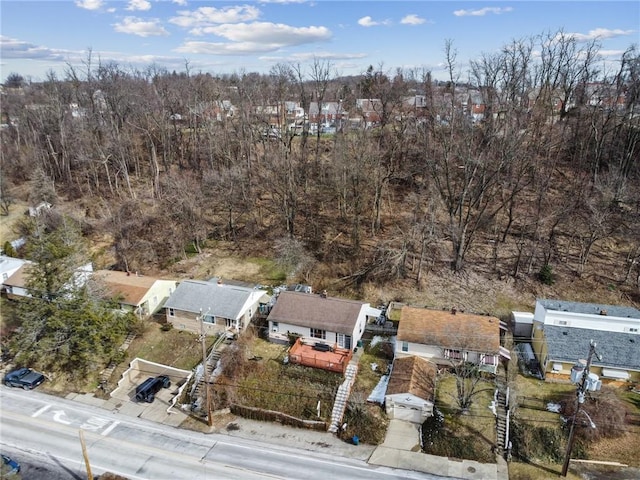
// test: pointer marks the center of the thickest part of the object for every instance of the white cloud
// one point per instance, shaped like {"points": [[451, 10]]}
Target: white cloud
{"points": [[482, 11], [269, 33], [252, 38], [370, 22], [138, 5], [306, 56], [412, 19], [205, 16], [218, 48], [182, 3], [596, 34], [13, 48], [140, 27], [89, 4], [283, 2], [611, 53]]}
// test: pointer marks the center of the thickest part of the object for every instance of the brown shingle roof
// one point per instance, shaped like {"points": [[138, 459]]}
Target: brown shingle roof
{"points": [[19, 277], [130, 289], [309, 310], [461, 331], [413, 375]]}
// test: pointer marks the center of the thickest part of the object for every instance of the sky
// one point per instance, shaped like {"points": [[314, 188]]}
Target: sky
{"points": [[40, 37]]}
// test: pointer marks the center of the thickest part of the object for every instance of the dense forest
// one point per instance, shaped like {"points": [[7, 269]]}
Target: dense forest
{"points": [[524, 164]]}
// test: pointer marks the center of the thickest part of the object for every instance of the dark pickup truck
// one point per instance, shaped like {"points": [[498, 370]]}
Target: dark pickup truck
{"points": [[24, 377], [146, 391]]}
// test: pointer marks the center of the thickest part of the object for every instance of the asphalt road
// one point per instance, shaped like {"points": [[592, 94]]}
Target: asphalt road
{"points": [[42, 432]]}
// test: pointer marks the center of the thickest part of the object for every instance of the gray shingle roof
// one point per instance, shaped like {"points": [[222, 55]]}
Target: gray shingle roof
{"points": [[225, 301], [618, 350], [591, 308], [309, 310]]}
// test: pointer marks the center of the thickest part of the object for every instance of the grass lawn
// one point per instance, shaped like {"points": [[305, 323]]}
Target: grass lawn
{"points": [[176, 348], [471, 435], [264, 381], [544, 440]]}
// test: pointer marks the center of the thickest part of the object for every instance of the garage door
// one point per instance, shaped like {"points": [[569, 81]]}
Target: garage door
{"points": [[402, 412]]}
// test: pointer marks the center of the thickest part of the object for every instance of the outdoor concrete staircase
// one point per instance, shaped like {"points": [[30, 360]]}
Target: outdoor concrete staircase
{"points": [[107, 372], [340, 403], [212, 362], [501, 412]]}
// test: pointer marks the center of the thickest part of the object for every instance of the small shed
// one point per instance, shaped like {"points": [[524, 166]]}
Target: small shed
{"points": [[522, 323]]}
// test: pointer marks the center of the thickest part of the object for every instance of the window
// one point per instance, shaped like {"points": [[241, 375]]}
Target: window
{"points": [[229, 322], [405, 346], [317, 333], [5, 275], [563, 322], [172, 312], [489, 360], [633, 330], [452, 354], [209, 319], [274, 326]]}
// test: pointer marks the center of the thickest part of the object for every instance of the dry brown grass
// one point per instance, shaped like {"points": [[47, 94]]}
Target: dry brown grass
{"points": [[474, 432], [176, 348]]}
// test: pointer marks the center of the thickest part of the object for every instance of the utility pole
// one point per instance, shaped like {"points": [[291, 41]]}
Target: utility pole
{"points": [[582, 385], [207, 393], [85, 455]]}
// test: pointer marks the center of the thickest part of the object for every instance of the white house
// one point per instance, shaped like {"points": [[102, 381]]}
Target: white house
{"points": [[16, 285], [213, 306], [9, 266], [447, 337], [319, 319]]}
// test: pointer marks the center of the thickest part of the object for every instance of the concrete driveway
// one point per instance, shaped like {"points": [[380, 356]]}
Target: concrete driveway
{"points": [[401, 449], [160, 410]]}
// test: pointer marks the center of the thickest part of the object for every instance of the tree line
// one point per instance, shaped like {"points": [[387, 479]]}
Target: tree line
{"points": [[546, 175]]}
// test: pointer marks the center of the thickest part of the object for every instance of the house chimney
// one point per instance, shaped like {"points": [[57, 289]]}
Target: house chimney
{"points": [[453, 310]]}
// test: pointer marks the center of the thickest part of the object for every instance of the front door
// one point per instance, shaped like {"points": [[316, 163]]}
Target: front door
{"points": [[344, 341]]}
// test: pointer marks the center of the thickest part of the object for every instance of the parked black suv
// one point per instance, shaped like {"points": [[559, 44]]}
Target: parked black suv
{"points": [[146, 391], [23, 377]]}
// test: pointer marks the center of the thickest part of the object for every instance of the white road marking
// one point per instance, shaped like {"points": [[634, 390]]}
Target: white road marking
{"points": [[107, 430], [58, 414], [41, 411]]}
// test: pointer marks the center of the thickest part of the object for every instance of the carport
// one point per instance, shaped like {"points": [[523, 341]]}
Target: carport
{"points": [[162, 409]]}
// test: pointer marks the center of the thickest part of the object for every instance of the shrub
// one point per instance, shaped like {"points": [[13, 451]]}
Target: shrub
{"points": [[532, 442], [165, 327], [546, 275]]}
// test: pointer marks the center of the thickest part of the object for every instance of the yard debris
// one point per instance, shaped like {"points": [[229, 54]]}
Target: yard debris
{"points": [[554, 407]]}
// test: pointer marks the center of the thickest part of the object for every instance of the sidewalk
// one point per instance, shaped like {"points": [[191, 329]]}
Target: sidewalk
{"points": [[401, 448]]}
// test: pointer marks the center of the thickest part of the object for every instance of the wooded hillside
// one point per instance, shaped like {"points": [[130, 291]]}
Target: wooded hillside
{"points": [[527, 169]]}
